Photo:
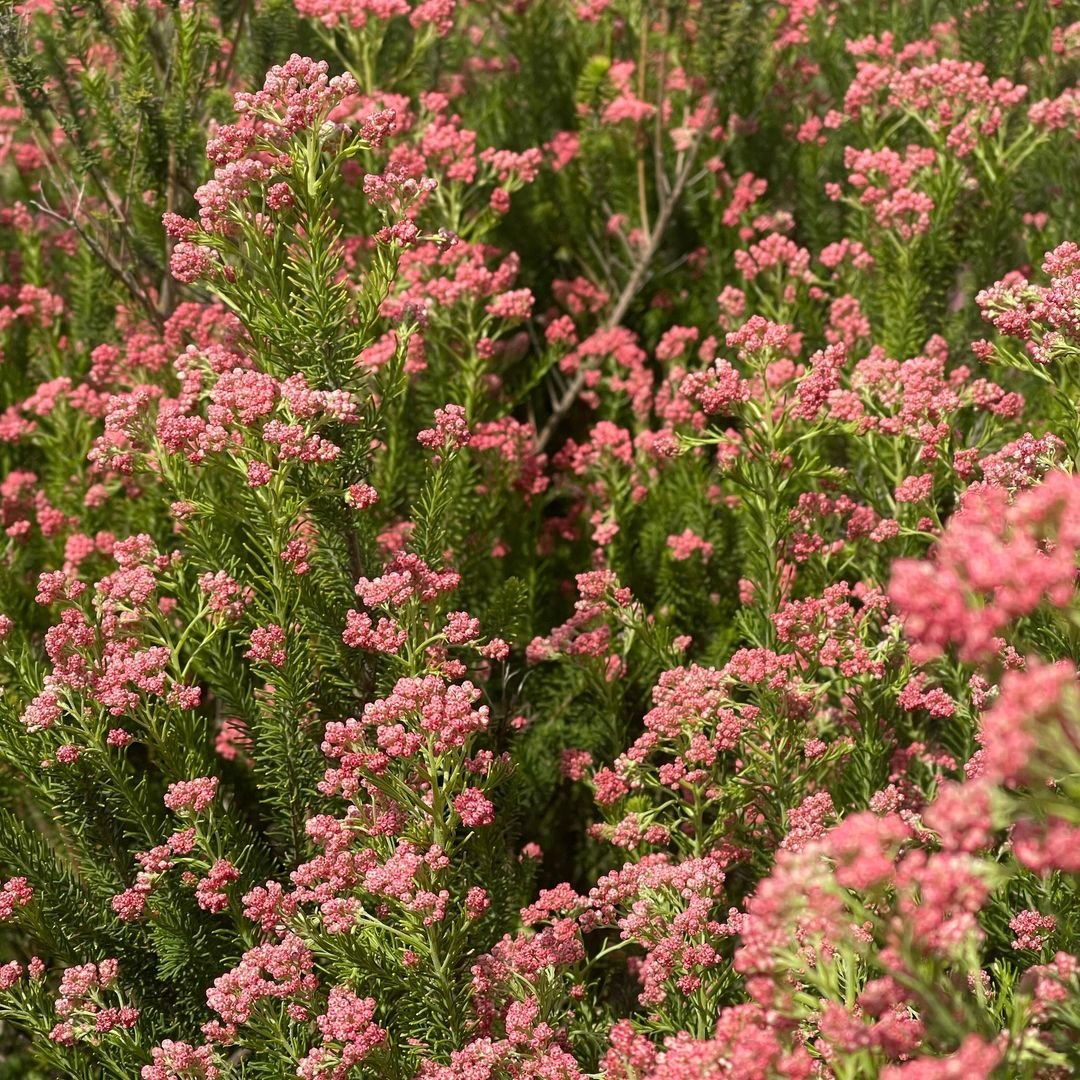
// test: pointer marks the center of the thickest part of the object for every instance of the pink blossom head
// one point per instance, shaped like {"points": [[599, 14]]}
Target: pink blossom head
{"points": [[451, 430], [191, 795]]}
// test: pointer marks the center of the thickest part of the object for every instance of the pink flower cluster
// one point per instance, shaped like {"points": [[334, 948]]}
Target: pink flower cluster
{"points": [[348, 1037], [181, 1061], [265, 973], [16, 893], [80, 1006], [194, 795], [451, 430], [999, 559], [1043, 317]]}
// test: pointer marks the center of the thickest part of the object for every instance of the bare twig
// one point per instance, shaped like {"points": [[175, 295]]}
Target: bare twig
{"points": [[126, 278], [636, 279], [643, 56], [167, 292], [660, 175], [234, 44]]}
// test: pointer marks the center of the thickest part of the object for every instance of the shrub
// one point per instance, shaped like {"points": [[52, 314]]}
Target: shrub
{"points": [[541, 545]]}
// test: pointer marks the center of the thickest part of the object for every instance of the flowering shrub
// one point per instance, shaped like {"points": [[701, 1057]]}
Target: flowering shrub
{"points": [[542, 545]]}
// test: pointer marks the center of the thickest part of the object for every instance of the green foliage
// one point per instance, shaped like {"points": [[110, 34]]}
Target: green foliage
{"points": [[202, 585]]}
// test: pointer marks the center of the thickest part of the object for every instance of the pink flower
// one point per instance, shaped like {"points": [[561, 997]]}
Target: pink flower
{"points": [[915, 489], [181, 1061], [516, 304], [451, 431], [686, 543], [716, 391], [348, 1036], [194, 795], [360, 633], [461, 627], [574, 764], [259, 473], [1031, 929], [16, 893], [1032, 730], [609, 788], [189, 262], [495, 649], [476, 902], [474, 809], [278, 971], [361, 496], [295, 554], [296, 95], [975, 1060], [806, 821], [129, 905], [42, 712], [209, 891], [999, 558], [267, 645]]}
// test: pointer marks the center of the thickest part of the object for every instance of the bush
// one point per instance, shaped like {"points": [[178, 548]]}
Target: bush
{"points": [[542, 545]]}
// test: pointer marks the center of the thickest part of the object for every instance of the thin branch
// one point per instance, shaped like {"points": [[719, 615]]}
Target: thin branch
{"points": [[234, 44], [167, 292], [636, 280], [658, 129], [643, 56], [126, 278]]}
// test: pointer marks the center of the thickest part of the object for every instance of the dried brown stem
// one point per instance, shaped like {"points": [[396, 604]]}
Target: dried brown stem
{"points": [[636, 279], [126, 278]]}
